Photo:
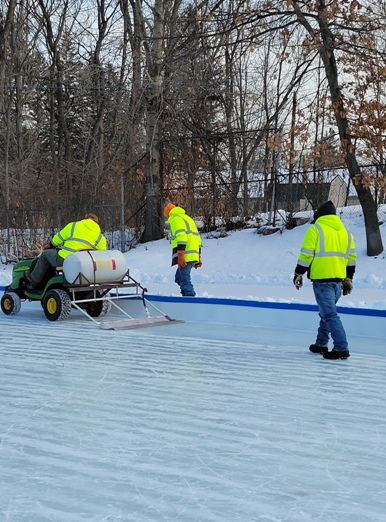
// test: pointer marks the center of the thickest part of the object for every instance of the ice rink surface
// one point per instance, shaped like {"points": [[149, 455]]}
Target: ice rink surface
{"points": [[187, 422]]}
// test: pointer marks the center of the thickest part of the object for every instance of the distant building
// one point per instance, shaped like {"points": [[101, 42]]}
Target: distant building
{"points": [[297, 196], [309, 196]]}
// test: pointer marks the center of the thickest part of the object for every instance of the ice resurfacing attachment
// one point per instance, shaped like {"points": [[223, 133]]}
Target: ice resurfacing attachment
{"points": [[97, 272]]}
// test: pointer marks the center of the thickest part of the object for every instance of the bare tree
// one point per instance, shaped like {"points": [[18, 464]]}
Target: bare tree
{"points": [[322, 37], [53, 22], [184, 99], [6, 23], [6, 20]]}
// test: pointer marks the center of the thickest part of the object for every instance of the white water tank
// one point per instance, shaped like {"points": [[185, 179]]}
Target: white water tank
{"points": [[95, 266]]}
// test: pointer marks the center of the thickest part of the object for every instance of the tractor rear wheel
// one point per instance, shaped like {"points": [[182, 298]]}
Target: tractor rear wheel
{"points": [[99, 308], [10, 303], [57, 305]]}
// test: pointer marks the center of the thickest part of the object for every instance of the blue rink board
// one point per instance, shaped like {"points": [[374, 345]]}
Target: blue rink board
{"points": [[259, 304], [264, 304]]}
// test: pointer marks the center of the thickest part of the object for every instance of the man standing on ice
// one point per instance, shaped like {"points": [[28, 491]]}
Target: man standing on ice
{"points": [[186, 247], [328, 256]]}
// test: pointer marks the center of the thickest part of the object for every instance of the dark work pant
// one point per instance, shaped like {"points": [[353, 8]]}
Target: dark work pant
{"points": [[48, 258]]}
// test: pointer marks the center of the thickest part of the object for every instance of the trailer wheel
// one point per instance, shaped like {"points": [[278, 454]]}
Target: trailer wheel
{"points": [[57, 305], [10, 303], [99, 308]]}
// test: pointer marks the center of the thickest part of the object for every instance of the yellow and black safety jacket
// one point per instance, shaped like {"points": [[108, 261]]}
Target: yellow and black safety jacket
{"points": [[79, 235], [184, 236], [328, 251]]}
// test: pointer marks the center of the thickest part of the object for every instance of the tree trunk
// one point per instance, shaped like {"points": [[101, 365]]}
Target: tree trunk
{"points": [[369, 207], [290, 207], [153, 215], [5, 108], [5, 30], [60, 144], [326, 50]]}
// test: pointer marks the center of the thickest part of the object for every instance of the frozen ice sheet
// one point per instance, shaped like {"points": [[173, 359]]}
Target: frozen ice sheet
{"points": [[187, 423]]}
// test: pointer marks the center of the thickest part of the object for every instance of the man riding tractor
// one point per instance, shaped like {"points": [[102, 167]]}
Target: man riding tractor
{"points": [[77, 235]]}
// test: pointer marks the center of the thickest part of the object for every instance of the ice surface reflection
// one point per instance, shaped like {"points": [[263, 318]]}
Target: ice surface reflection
{"points": [[186, 423]]}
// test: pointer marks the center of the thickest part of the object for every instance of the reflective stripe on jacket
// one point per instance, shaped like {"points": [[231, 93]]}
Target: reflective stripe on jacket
{"points": [[328, 248], [79, 235], [184, 236]]}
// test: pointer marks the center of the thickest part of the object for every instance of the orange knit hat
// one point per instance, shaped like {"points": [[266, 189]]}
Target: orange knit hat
{"points": [[92, 216], [168, 208]]}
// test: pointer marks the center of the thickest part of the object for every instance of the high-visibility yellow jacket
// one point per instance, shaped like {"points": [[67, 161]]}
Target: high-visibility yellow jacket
{"points": [[328, 251], [184, 236], [79, 235]]}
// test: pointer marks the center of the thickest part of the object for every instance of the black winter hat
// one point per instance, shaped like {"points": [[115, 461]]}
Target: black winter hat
{"points": [[326, 209]]}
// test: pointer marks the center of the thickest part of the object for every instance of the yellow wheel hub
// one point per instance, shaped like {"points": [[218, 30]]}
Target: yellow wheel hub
{"points": [[52, 305], [7, 304]]}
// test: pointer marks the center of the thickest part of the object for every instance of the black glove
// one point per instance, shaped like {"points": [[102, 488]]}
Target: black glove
{"points": [[347, 286], [298, 281]]}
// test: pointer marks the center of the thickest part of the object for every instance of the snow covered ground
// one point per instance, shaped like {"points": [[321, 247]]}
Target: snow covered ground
{"points": [[247, 265]]}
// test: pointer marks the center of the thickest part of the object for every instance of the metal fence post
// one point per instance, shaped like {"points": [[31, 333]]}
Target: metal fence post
{"points": [[122, 216], [8, 232]]}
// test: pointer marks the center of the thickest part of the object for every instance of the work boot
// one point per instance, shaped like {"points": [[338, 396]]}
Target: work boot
{"points": [[31, 281], [314, 348], [335, 354]]}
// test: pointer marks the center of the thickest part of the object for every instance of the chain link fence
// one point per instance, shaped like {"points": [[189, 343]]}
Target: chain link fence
{"points": [[22, 229]]}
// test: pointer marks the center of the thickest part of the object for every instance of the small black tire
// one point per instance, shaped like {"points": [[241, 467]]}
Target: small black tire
{"points": [[99, 308], [10, 303], [57, 305]]}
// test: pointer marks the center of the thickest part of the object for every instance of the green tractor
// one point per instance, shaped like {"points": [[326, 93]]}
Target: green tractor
{"points": [[89, 281], [55, 294]]}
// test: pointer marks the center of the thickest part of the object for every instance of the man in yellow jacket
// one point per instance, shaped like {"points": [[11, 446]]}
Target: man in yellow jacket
{"points": [[328, 256], [186, 247], [77, 235]]}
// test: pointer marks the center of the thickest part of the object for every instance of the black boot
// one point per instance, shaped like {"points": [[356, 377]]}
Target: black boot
{"points": [[334, 354], [314, 348]]}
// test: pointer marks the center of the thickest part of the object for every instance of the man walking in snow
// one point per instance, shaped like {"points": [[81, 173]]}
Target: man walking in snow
{"points": [[186, 247], [328, 256], [77, 235]]}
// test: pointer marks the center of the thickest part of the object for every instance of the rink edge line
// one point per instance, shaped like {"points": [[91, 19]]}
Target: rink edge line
{"points": [[250, 303], [372, 312]]}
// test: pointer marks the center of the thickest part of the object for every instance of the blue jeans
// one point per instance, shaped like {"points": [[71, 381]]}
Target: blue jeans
{"points": [[183, 279], [327, 295]]}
